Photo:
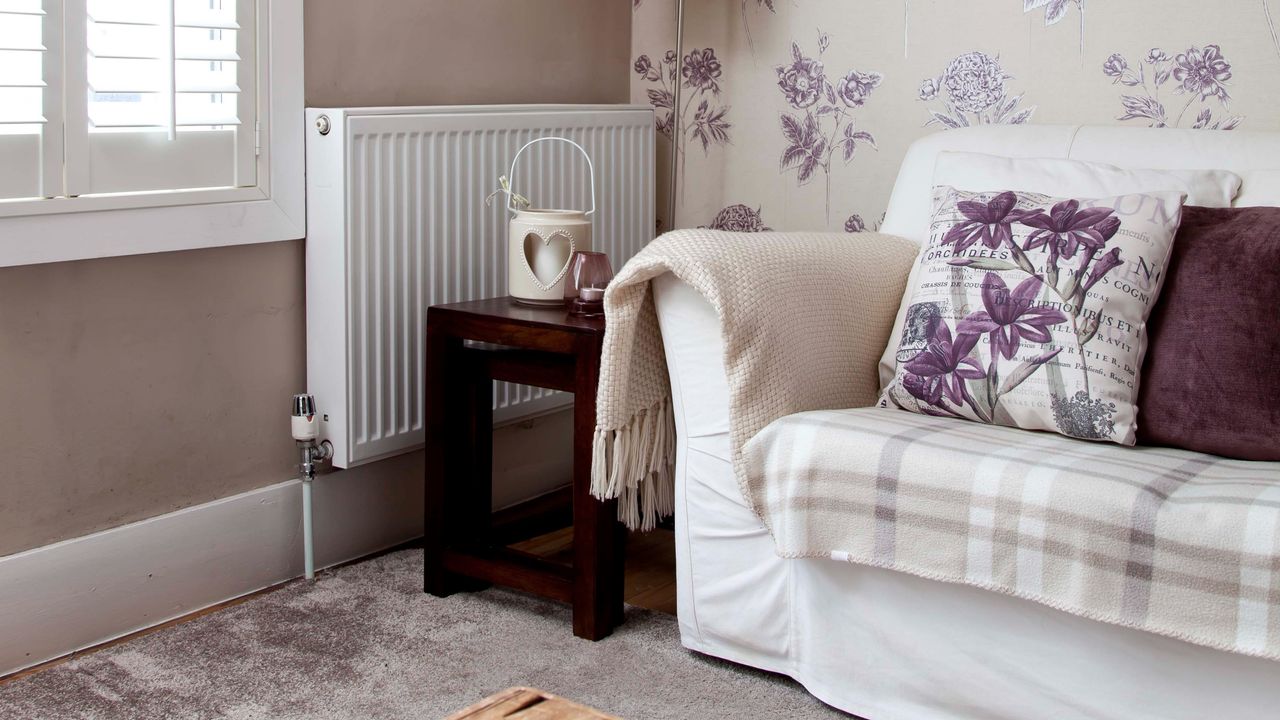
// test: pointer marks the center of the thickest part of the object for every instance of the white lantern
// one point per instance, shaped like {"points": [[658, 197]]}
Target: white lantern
{"points": [[541, 242]]}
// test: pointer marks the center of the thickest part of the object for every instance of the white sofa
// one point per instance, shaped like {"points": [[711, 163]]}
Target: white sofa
{"points": [[889, 646]]}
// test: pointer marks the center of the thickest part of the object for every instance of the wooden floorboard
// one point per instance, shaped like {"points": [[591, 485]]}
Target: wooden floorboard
{"points": [[651, 564]]}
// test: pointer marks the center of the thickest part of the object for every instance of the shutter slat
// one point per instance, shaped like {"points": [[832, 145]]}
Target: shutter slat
{"points": [[207, 56], [208, 88], [131, 23], [122, 56], [208, 25], [206, 122], [124, 126]]}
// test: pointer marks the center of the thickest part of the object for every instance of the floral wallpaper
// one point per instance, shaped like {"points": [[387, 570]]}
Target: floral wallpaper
{"points": [[795, 114]]}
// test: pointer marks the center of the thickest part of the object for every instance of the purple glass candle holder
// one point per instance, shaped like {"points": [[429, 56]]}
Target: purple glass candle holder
{"points": [[589, 274]]}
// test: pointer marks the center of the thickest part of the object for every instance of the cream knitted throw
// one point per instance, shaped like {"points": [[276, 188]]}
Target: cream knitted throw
{"points": [[795, 309]]}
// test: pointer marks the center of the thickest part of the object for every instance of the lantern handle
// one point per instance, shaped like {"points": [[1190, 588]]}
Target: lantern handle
{"points": [[591, 170]]}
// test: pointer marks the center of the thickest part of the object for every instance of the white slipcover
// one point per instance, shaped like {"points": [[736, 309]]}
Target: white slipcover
{"points": [[889, 646]]}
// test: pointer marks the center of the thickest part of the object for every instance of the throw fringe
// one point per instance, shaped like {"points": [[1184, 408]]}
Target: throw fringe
{"points": [[634, 463]]}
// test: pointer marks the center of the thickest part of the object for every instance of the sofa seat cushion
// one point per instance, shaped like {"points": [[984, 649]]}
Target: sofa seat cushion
{"points": [[1169, 541]]}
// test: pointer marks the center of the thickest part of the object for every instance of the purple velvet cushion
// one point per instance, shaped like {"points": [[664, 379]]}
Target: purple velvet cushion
{"points": [[1211, 378]]}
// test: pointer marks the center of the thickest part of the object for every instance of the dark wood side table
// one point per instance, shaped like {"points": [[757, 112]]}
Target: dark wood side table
{"points": [[548, 348]]}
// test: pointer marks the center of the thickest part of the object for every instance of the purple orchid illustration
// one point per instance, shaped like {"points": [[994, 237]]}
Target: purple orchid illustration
{"points": [[973, 90], [1201, 74], [945, 364], [927, 390], [945, 374], [1011, 317], [1065, 231], [1105, 264], [1074, 259], [1067, 226], [991, 222], [738, 218], [826, 125]]}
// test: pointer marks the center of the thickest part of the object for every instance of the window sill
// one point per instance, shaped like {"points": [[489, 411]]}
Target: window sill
{"points": [[58, 237]]}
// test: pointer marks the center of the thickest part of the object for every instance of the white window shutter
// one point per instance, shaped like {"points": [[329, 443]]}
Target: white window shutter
{"points": [[30, 87], [166, 105]]}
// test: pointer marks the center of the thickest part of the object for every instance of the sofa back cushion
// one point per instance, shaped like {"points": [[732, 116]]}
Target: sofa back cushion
{"points": [[1253, 155], [1211, 378]]}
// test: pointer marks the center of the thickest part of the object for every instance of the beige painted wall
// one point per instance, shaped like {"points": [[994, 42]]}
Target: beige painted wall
{"points": [[454, 52], [131, 387]]}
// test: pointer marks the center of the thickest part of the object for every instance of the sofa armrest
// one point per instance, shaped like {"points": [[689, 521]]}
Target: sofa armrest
{"points": [[692, 340], [694, 348]]}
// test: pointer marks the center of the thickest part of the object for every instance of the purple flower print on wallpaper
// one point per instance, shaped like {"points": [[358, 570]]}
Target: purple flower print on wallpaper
{"points": [[973, 90], [699, 75], [746, 22], [855, 224], [1201, 75], [825, 124], [1271, 24], [1055, 11], [1065, 254], [738, 218]]}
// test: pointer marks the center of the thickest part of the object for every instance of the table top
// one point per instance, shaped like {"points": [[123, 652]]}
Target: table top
{"points": [[507, 309]]}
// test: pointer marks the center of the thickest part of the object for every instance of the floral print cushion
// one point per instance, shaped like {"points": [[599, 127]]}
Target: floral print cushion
{"points": [[1030, 311]]}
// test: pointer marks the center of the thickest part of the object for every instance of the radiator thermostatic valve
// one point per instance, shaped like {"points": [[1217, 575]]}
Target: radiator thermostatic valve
{"points": [[306, 430], [305, 425]]}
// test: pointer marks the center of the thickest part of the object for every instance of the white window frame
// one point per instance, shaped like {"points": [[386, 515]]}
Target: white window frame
{"points": [[80, 228]]}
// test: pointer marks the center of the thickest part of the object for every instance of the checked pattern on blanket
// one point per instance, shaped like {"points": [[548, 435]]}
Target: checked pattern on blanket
{"points": [[1168, 541]]}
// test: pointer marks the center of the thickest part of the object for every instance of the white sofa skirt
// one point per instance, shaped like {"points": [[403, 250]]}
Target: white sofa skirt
{"points": [[890, 646]]}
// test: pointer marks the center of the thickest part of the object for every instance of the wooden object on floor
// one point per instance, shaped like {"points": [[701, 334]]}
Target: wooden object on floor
{"points": [[545, 347], [521, 703]]}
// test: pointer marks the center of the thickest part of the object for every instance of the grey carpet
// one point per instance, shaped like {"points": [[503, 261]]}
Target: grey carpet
{"points": [[365, 642]]}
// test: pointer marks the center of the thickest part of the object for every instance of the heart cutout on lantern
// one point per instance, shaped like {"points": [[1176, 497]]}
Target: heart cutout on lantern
{"points": [[547, 273]]}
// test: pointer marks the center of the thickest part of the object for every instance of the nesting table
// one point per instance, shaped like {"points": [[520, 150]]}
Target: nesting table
{"points": [[545, 347]]}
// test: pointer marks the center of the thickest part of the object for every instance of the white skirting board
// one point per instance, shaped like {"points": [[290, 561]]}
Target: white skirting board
{"points": [[77, 593]]}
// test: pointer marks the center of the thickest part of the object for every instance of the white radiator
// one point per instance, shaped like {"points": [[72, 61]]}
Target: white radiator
{"points": [[396, 222]]}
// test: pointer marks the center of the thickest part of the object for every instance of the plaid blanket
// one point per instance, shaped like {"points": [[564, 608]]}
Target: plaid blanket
{"points": [[1168, 541]]}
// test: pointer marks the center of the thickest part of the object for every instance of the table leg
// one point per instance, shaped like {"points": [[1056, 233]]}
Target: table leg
{"points": [[474, 482], [449, 461], [598, 543]]}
